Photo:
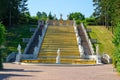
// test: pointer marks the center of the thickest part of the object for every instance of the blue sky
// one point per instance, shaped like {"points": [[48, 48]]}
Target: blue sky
{"points": [[58, 7]]}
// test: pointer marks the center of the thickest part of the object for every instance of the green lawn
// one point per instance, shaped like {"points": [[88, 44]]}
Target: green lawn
{"points": [[104, 37], [14, 37]]}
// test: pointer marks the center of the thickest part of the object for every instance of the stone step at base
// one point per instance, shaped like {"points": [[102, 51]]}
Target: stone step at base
{"points": [[83, 61], [62, 61], [50, 61]]}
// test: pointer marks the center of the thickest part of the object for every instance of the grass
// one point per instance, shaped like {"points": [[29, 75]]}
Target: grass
{"points": [[104, 37], [14, 37]]}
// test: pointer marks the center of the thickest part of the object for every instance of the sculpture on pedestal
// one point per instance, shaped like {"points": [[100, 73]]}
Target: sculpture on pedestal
{"points": [[98, 60], [18, 57], [58, 56]]}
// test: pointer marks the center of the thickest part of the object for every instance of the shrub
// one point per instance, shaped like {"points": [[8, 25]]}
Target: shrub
{"points": [[116, 59], [116, 41], [2, 37], [90, 21]]}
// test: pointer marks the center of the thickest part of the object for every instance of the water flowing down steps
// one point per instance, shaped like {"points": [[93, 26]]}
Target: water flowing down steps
{"points": [[84, 42], [62, 37]]}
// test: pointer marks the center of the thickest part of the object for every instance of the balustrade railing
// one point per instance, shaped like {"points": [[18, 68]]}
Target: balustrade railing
{"points": [[78, 38], [88, 40]]}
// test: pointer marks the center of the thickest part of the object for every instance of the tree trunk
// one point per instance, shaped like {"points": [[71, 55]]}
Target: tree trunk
{"points": [[10, 18], [1, 64]]}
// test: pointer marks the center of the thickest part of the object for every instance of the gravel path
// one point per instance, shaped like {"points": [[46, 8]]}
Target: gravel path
{"points": [[27, 72]]}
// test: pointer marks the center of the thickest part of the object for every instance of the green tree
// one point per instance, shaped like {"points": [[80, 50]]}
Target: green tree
{"points": [[116, 13], [39, 15], [100, 11], [116, 40], [90, 21], [44, 16], [76, 16], [107, 12], [2, 37], [23, 6], [11, 11], [50, 16], [3, 8], [116, 54]]}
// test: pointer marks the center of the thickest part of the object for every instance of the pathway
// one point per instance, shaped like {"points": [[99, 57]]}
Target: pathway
{"points": [[27, 72]]}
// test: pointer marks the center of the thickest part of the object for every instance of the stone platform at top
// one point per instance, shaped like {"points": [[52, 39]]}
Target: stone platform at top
{"points": [[60, 22]]}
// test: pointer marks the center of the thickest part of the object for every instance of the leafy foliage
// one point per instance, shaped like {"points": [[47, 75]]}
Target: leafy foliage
{"points": [[11, 11], [50, 16], [2, 37], [76, 16], [90, 21], [14, 37], [116, 59], [2, 33], [106, 12], [116, 40], [41, 16]]}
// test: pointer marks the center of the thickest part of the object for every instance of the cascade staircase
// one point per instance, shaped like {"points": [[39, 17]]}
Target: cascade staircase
{"points": [[62, 37]]}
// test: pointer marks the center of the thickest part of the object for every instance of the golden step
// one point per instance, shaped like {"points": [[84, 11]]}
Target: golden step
{"points": [[55, 54], [83, 61], [59, 37], [64, 60]]}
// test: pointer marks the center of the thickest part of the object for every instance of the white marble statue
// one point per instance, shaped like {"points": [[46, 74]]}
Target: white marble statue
{"points": [[97, 55], [58, 56], [18, 57]]}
